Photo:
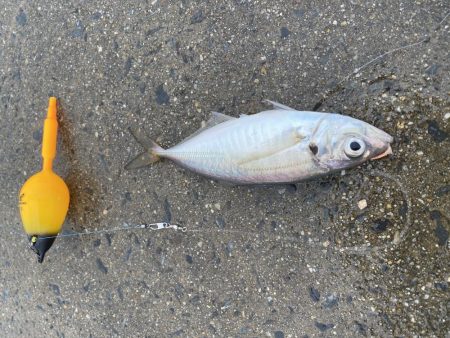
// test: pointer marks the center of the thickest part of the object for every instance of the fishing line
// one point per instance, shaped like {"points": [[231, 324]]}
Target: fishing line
{"points": [[126, 227], [364, 249], [426, 38]]}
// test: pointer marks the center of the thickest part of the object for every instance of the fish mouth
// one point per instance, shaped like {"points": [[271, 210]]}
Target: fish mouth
{"points": [[387, 152]]}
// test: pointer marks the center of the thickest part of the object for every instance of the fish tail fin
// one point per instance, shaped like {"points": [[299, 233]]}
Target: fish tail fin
{"points": [[147, 157]]}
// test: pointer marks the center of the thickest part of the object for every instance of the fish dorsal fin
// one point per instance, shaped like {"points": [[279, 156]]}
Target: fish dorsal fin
{"points": [[278, 105], [215, 119]]}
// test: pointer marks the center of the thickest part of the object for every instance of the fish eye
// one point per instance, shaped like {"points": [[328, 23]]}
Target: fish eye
{"points": [[354, 147]]}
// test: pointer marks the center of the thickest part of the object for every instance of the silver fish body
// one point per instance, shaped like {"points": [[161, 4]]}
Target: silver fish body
{"points": [[276, 146]]}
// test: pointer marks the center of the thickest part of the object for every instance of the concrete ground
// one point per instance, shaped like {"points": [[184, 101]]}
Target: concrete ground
{"points": [[255, 261]]}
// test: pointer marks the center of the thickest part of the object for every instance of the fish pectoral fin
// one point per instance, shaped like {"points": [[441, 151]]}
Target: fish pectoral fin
{"points": [[293, 141], [278, 105]]}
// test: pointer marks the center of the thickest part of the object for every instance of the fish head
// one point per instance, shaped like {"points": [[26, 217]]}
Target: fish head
{"points": [[341, 142]]}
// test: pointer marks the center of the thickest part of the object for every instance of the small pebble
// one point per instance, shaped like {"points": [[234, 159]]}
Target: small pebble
{"points": [[55, 288], [362, 204], [220, 222], [380, 225], [441, 233], [21, 18], [278, 334], [314, 294], [330, 301], [284, 32], [161, 95], [437, 134], [323, 327], [197, 17], [101, 266], [397, 238]]}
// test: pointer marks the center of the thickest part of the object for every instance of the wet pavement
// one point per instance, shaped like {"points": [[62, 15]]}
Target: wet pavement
{"points": [[360, 253]]}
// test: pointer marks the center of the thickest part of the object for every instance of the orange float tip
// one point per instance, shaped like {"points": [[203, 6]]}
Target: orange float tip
{"points": [[51, 112]]}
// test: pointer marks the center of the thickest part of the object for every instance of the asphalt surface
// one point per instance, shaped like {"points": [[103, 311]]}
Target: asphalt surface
{"points": [[254, 261]]}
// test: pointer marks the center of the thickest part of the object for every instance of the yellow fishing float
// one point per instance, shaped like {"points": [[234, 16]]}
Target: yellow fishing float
{"points": [[44, 198]]}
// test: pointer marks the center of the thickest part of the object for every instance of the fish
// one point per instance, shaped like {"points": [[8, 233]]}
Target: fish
{"points": [[276, 146]]}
